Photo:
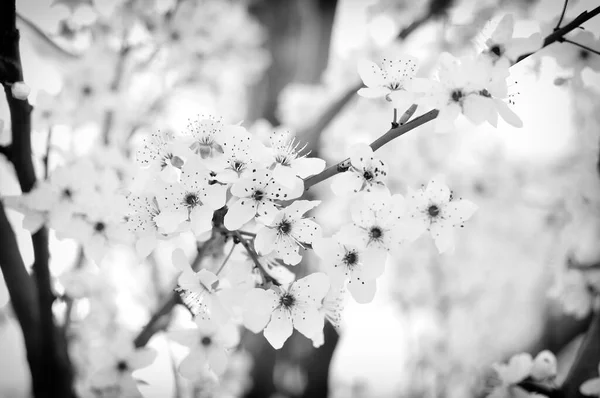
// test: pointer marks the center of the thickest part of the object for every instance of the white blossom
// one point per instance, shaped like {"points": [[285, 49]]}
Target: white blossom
{"points": [[281, 309]]}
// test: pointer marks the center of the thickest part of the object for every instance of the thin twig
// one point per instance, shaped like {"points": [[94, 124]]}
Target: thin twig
{"points": [[562, 15], [46, 158], [45, 38], [557, 35], [226, 260], [581, 46]]}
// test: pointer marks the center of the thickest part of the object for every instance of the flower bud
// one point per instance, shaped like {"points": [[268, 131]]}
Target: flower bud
{"points": [[20, 90]]}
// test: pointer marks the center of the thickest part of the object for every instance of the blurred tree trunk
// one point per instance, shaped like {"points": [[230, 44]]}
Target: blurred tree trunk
{"points": [[298, 41]]}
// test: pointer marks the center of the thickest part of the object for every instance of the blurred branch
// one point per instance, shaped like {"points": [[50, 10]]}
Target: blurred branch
{"points": [[43, 37], [155, 323], [51, 370], [558, 34], [431, 115], [580, 46], [115, 85], [585, 366]]}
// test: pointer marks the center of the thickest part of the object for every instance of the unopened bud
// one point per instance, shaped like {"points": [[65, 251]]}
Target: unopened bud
{"points": [[20, 90]]}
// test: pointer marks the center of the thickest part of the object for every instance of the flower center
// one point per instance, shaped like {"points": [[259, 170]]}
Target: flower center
{"points": [[583, 54], [433, 211], [375, 233], [87, 90], [496, 49], [368, 175], [191, 199], [457, 95], [285, 227], [67, 193], [206, 341], [350, 258], [238, 165], [287, 300], [258, 195], [122, 366], [99, 227]]}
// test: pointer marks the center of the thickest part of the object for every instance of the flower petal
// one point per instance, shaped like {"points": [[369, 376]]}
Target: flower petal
{"points": [[280, 328], [307, 319]]}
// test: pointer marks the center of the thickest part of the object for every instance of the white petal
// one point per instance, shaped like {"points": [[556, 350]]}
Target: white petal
{"points": [[215, 196], [373, 264], [280, 328], [362, 291], [370, 73], [300, 207], [346, 183], [507, 114], [285, 176], [437, 191], [207, 278], [443, 235], [201, 219], [311, 289], [192, 365], [305, 230], [187, 338], [141, 358], [264, 243], [307, 319], [306, 167], [373, 92], [217, 360], [169, 220], [145, 245], [180, 260], [239, 213], [267, 211], [477, 108], [458, 211], [287, 250], [258, 306]]}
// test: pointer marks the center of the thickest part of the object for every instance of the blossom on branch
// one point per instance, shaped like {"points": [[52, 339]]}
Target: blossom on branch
{"points": [[390, 79], [360, 267], [288, 231], [209, 344], [281, 309], [435, 210], [366, 172]]}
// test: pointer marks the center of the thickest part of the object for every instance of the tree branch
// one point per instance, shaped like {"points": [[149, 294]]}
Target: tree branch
{"points": [[429, 116], [51, 373]]}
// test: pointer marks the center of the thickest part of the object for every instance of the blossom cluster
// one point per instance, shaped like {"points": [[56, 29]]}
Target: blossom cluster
{"points": [[218, 181]]}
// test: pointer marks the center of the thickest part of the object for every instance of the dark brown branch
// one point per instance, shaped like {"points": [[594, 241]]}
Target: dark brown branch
{"points": [[51, 373], [22, 291]]}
